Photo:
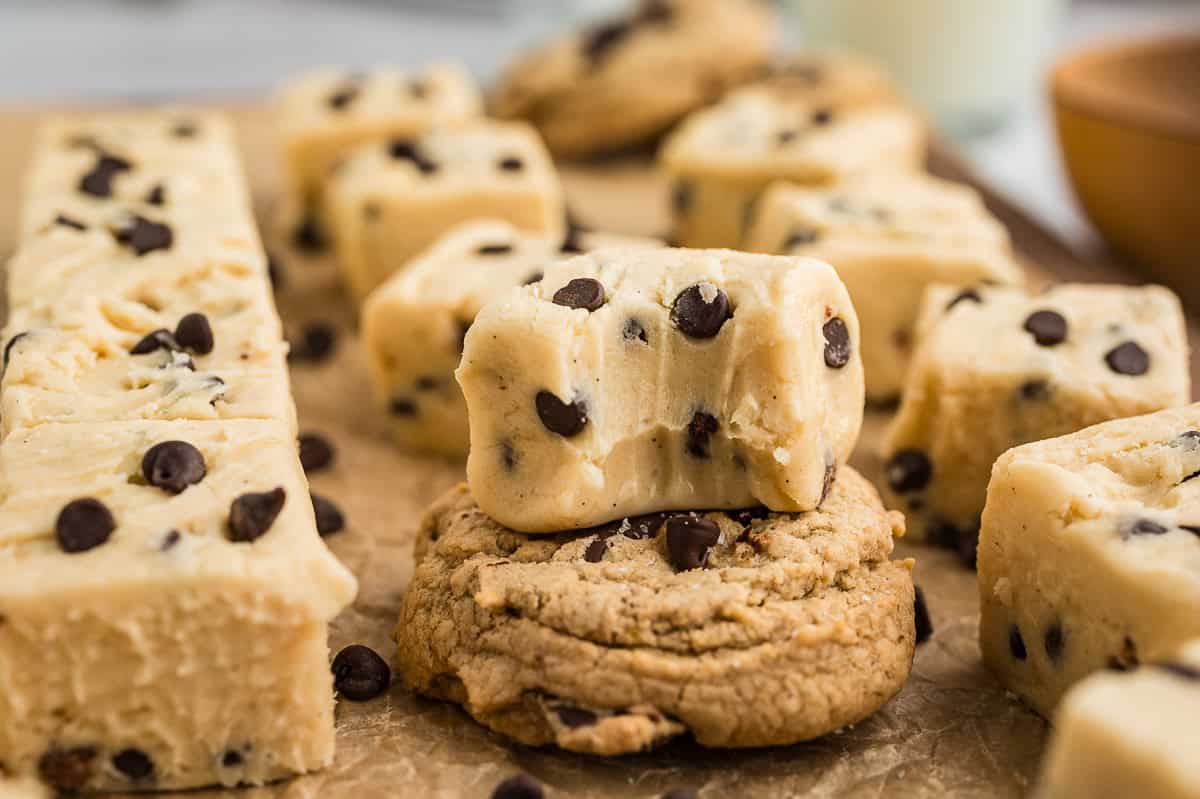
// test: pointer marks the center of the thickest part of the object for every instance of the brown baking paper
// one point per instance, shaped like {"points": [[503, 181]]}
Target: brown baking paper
{"points": [[952, 731]]}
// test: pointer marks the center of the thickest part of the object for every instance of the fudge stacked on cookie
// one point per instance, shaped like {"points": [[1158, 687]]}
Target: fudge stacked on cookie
{"points": [[661, 536], [164, 594]]}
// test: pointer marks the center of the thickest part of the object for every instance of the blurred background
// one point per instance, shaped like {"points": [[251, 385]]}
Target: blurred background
{"points": [[978, 65]]}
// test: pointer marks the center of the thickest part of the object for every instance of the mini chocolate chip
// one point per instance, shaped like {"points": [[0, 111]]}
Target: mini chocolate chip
{"points": [[633, 330], [699, 429], [1146, 527], [330, 518], [575, 716], [195, 333], [581, 292], [418, 89], [508, 456], [232, 758], [402, 406], [1034, 390], [822, 116], [318, 340], [521, 786], [594, 553], [170, 540], [359, 673], [1128, 359], [252, 514], [701, 310], [156, 340], [534, 277], [746, 516], [494, 249], [1180, 670], [144, 236], [966, 295], [316, 452], [1127, 658], [1054, 642], [12, 342], [681, 197], [134, 764], [67, 769], [689, 539], [909, 470], [83, 524], [157, 195], [405, 150], [837, 343], [565, 418], [65, 221], [644, 526], [342, 97], [98, 182], [784, 137], [800, 237], [184, 130], [173, 466], [923, 623], [308, 235], [1016, 644], [1048, 328], [511, 164]]}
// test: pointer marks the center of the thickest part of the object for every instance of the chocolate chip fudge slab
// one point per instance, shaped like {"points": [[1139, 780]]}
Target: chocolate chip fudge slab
{"points": [[722, 158], [392, 200], [628, 381], [164, 598], [1119, 735], [996, 367], [623, 81], [904, 230], [1089, 556], [414, 324], [740, 629]]}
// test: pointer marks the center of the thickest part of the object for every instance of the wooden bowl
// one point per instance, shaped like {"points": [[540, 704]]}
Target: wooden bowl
{"points": [[1128, 118]]}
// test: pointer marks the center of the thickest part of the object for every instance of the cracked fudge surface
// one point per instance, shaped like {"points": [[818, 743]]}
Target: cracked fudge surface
{"points": [[742, 628], [1089, 556], [902, 229], [624, 81], [997, 367], [393, 199], [413, 325], [721, 159], [1121, 735], [635, 380]]}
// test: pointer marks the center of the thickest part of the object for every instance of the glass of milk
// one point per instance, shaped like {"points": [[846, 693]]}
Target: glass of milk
{"points": [[970, 63]]}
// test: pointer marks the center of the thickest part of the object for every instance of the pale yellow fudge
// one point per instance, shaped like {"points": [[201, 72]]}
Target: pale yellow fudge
{"points": [[721, 159], [162, 640], [996, 367], [1124, 735], [413, 325], [832, 79], [1089, 555], [889, 235], [23, 788], [628, 381], [393, 199]]}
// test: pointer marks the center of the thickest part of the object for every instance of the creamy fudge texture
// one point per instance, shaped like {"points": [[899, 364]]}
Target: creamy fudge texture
{"points": [[1119, 735], [632, 380], [175, 653], [721, 159], [1089, 556], [904, 230], [413, 325], [997, 367], [393, 199]]}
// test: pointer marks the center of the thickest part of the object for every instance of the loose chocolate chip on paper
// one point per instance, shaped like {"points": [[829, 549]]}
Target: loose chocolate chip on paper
{"points": [[62, 220], [155, 340], [316, 452], [701, 310], [67, 769], [633, 330], [511, 164], [564, 418], [251, 515], [329, 516], [1128, 359], [521, 786], [581, 292], [195, 333], [837, 343], [968, 547], [921, 619], [317, 342], [144, 236], [98, 181], [689, 539], [1180, 670], [157, 195], [966, 295], [594, 553], [494, 249], [575, 717], [1016, 644], [1048, 328], [134, 764], [699, 430], [83, 524], [173, 466], [359, 673], [1054, 642], [909, 470]]}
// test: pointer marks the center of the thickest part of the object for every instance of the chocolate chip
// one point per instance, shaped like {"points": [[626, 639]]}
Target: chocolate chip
{"points": [[8, 348], [134, 764], [173, 466], [494, 249], [943, 534], [746, 516], [633, 330], [699, 429], [359, 673], [581, 292], [251, 515], [195, 333], [908, 471], [1054, 642], [418, 89], [232, 758], [317, 342], [968, 547], [595, 550], [83, 524], [602, 39], [330, 518], [316, 452], [508, 456], [681, 197], [184, 130], [343, 97], [521, 786], [1128, 359], [1127, 658], [1191, 528], [680, 793], [700, 310], [308, 235], [1180, 670], [688, 541], [923, 623], [822, 116], [405, 150], [144, 236], [170, 540], [534, 277], [67, 769], [966, 295], [1048, 328], [1016, 644], [402, 406], [156, 340], [1145, 527], [644, 526], [566, 419], [800, 237], [157, 195], [65, 221], [837, 343], [1034, 390], [464, 326], [511, 164], [98, 182], [785, 137], [575, 716]]}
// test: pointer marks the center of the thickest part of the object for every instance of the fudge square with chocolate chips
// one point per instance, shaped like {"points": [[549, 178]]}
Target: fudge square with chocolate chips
{"points": [[635, 380], [163, 606], [1089, 556], [721, 159], [997, 367], [393, 199], [1121, 735], [414, 324], [899, 230]]}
